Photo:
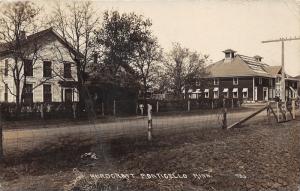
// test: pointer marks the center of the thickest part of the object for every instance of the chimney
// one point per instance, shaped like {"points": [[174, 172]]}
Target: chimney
{"points": [[229, 54], [22, 35], [258, 58]]}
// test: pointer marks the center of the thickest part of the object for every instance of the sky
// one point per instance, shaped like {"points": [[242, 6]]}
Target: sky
{"points": [[211, 26]]}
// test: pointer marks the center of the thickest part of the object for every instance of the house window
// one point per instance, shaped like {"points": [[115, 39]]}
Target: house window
{"points": [[47, 94], [47, 71], [226, 93], [28, 94], [235, 93], [6, 93], [216, 93], [206, 93], [216, 81], [245, 92], [259, 81], [68, 95], [271, 82], [6, 68], [28, 68], [235, 81], [67, 70]]}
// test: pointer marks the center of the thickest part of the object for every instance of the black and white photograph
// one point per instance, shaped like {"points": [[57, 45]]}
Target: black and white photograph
{"points": [[149, 95]]}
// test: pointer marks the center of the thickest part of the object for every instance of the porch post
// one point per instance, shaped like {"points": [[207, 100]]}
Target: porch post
{"points": [[253, 93]]}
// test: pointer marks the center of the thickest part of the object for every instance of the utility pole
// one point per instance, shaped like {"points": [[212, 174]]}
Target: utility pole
{"points": [[282, 40]]}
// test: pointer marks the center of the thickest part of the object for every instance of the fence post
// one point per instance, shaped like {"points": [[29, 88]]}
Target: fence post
{"points": [[232, 104], [268, 110], [1, 136], [277, 110], [74, 110], [294, 109], [224, 121], [212, 104], [157, 106], [102, 108], [149, 122], [114, 108], [42, 110], [189, 105]]}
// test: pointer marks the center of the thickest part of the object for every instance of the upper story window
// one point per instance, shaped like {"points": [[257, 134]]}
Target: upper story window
{"points": [[47, 71], [28, 68], [216, 81], [6, 68], [271, 82], [67, 70], [259, 81], [235, 81]]}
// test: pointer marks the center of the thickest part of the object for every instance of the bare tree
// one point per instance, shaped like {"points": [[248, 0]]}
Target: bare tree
{"points": [[16, 19], [76, 23], [184, 69]]}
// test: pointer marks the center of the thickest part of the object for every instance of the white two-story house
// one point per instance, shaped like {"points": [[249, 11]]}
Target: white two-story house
{"points": [[47, 72]]}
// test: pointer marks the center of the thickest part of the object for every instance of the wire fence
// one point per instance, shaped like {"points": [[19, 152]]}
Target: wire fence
{"points": [[27, 135]]}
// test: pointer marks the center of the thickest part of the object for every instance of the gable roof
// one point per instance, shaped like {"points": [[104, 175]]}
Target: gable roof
{"points": [[240, 65], [5, 47], [274, 70]]}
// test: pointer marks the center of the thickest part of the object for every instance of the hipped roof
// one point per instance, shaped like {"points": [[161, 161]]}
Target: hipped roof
{"points": [[242, 66]]}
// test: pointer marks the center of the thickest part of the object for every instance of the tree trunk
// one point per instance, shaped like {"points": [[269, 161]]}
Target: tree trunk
{"points": [[1, 137], [18, 101], [80, 89], [144, 95]]}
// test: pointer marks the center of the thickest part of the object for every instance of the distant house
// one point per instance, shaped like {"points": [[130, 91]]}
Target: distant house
{"points": [[245, 78], [47, 72]]}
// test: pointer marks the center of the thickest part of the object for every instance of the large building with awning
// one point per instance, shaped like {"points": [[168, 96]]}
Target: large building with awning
{"points": [[245, 78]]}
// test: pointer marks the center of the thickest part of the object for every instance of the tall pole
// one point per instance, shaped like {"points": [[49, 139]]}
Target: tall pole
{"points": [[282, 40], [282, 73]]}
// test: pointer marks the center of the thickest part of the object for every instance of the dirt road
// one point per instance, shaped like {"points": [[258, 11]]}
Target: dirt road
{"points": [[20, 140]]}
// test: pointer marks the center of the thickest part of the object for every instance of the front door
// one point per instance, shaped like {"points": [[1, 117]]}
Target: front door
{"points": [[265, 93]]}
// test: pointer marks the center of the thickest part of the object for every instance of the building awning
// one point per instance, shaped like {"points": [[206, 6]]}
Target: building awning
{"points": [[225, 90], [206, 90], [216, 89], [197, 91], [190, 91], [235, 90], [245, 89]]}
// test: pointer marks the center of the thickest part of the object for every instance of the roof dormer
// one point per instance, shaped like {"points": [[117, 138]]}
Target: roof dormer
{"points": [[229, 54], [258, 58]]}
